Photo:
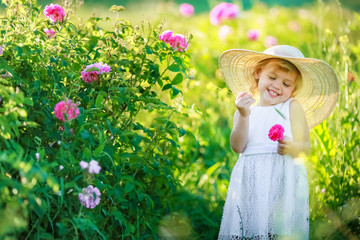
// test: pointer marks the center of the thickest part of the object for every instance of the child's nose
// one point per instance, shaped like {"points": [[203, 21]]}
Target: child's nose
{"points": [[276, 84]]}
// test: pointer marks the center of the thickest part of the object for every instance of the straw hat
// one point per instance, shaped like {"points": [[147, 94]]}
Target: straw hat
{"points": [[319, 88]]}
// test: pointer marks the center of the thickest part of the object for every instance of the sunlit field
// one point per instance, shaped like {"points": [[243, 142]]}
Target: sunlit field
{"points": [[150, 129]]}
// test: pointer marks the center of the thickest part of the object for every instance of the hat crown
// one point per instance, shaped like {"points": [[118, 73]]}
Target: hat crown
{"points": [[284, 51]]}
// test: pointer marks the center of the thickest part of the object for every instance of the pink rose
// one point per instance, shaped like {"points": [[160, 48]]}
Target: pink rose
{"points": [[89, 76], [49, 32], [179, 42], [270, 41], [186, 9], [253, 34], [222, 12], [54, 12], [276, 132], [166, 35], [67, 108], [92, 71]]}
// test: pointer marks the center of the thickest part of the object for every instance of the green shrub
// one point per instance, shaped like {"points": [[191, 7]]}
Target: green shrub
{"points": [[124, 124]]}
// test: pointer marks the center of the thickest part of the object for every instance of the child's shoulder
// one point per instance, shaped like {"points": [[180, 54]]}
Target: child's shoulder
{"points": [[295, 105], [297, 113]]}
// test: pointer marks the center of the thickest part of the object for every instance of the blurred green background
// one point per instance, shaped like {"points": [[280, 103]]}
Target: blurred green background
{"points": [[200, 5], [204, 5]]}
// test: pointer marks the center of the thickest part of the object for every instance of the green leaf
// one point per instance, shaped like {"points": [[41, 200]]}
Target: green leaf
{"points": [[177, 79], [166, 87], [162, 119], [148, 50], [182, 132], [28, 101], [174, 92], [98, 150], [129, 187], [174, 67], [99, 100]]}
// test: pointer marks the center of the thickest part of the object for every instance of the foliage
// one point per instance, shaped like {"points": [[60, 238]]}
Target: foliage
{"points": [[123, 124]]}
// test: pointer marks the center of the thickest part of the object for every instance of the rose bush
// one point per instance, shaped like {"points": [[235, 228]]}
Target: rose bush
{"points": [[100, 163]]}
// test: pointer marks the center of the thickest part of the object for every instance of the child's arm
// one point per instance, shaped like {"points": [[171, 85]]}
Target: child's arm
{"points": [[239, 134], [300, 132]]}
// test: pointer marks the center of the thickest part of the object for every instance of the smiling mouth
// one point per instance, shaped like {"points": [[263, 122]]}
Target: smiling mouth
{"points": [[272, 93]]}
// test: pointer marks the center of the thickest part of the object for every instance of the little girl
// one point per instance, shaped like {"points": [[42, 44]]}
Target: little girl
{"points": [[268, 196]]}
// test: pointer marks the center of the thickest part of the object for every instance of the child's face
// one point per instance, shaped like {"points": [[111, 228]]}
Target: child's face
{"points": [[275, 85]]}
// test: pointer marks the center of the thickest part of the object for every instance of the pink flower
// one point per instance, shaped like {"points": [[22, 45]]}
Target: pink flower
{"points": [[92, 71], [270, 41], [67, 108], [178, 41], [93, 166], [54, 12], [49, 32], [186, 9], [222, 12], [166, 35], [99, 68], [90, 196], [253, 35], [1, 50], [276, 132], [89, 76], [61, 167]]}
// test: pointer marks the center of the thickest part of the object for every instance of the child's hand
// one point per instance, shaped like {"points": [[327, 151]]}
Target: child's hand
{"points": [[243, 102], [284, 146]]}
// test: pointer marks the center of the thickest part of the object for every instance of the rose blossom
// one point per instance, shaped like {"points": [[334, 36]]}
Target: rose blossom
{"points": [[186, 9], [93, 166], [178, 41], [223, 11], [54, 12], [92, 71], [89, 76], [49, 32], [87, 195], [276, 132], [166, 35], [68, 108], [253, 34]]}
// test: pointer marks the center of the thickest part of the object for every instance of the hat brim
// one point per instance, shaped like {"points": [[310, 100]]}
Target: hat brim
{"points": [[319, 88]]}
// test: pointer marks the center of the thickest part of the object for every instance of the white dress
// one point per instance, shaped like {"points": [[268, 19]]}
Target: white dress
{"points": [[268, 195]]}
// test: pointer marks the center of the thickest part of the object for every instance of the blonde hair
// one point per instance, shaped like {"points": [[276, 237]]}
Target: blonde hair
{"points": [[283, 64]]}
